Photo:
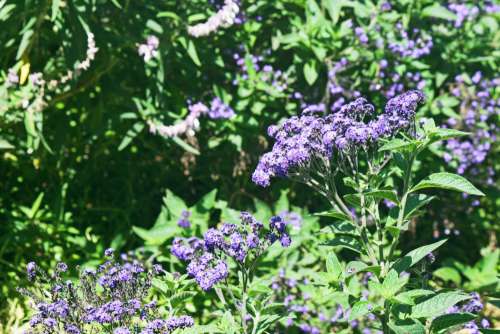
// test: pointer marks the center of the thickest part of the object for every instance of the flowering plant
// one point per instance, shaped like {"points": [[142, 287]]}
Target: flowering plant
{"points": [[244, 244], [357, 149], [111, 299]]}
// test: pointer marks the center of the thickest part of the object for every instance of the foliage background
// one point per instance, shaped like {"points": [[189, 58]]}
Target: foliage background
{"points": [[85, 173]]}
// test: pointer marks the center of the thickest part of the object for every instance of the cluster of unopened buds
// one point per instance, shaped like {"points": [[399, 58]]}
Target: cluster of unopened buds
{"points": [[188, 126], [223, 18]]}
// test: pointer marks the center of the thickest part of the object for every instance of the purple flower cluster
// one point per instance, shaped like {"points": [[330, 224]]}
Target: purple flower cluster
{"points": [[273, 78], [292, 219], [480, 110], [301, 141], [184, 219], [391, 83], [473, 305], [111, 297], [405, 46], [208, 257]]}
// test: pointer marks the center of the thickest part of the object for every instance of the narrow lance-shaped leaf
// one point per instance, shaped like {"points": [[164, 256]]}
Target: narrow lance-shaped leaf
{"points": [[448, 181], [415, 255]]}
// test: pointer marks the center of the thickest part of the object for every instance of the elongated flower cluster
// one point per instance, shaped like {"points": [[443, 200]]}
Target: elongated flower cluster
{"points": [[242, 243], [225, 17], [469, 12], [189, 125], [111, 297], [301, 140]]}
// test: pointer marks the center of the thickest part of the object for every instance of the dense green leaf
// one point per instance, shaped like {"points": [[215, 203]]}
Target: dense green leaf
{"points": [[447, 321], [437, 305], [448, 181], [415, 256], [360, 309]]}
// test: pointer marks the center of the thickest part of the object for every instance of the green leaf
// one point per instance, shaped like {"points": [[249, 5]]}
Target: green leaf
{"points": [[384, 194], [55, 9], [310, 72], [185, 146], [448, 181], [344, 241], [154, 26], [443, 134], [333, 214], [408, 326], [355, 267], [191, 50], [395, 144], [444, 322], [156, 236], [438, 11], [448, 274], [5, 145], [437, 305], [392, 284], [334, 8], [333, 266], [415, 202], [359, 310], [489, 331], [131, 134], [174, 204], [415, 256], [408, 297]]}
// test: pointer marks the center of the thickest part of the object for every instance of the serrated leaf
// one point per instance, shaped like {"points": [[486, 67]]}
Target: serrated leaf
{"points": [[446, 321], [415, 256], [448, 181], [437, 305]]}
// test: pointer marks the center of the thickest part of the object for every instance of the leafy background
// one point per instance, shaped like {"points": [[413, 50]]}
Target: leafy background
{"points": [[85, 173]]}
